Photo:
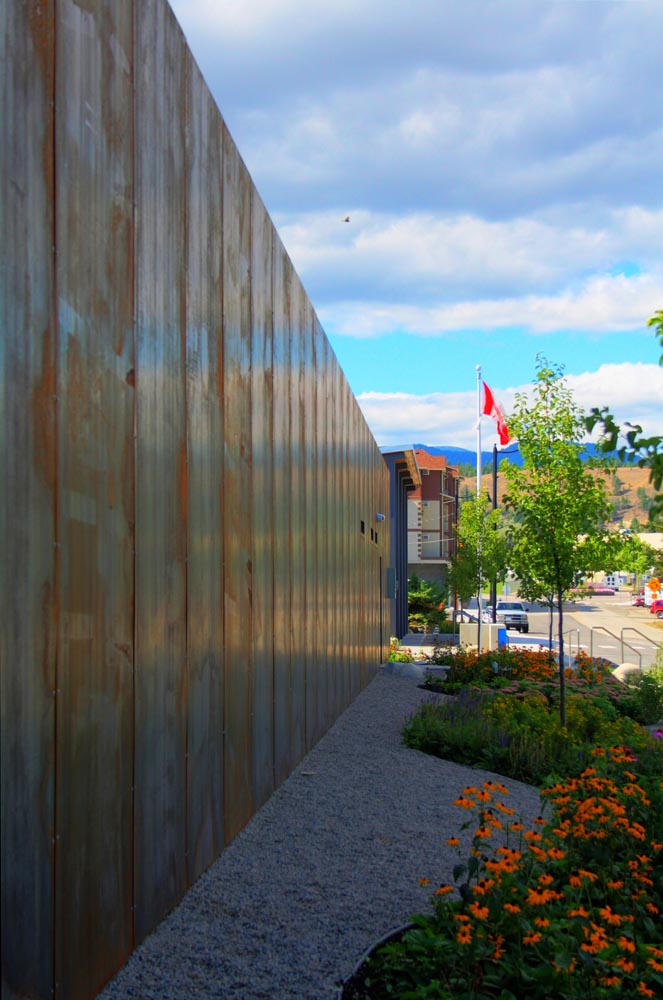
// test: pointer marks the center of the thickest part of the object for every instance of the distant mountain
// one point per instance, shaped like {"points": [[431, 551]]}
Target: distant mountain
{"points": [[463, 456]]}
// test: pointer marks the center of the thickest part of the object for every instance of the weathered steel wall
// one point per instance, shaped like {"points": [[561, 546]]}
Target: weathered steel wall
{"points": [[188, 598]]}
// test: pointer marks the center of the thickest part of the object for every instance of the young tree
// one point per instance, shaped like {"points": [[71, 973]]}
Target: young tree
{"points": [[426, 603], [647, 451], [481, 551], [635, 556], [559, 502]]}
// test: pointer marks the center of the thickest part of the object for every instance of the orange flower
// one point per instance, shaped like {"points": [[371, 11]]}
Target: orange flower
{"points": [[424, 881], [483, 833], [453, 841], [580, 912], [532, 835], [464, 935], [465, 803], [496, 786], [625, 964], [542, 922], [626, 944], [644, 991], [545, 879], [556, 853], [606, 913], [511, 908], [532, 938], [499, 950], [537, 897], [478, 911], [655, 964], [443, 890]]}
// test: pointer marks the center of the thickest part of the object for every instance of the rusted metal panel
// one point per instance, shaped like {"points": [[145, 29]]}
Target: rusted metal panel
{"points": [[297, 523], [283, 758], [202, 538], [27, 499], [204, 390], [161, 467], [94, 199], [238, 783], [314, 528], [262, 496], [343, 595], [326, 568], [331, 556]]}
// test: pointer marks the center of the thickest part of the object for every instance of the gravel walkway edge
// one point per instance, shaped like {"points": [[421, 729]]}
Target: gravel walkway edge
{"points": [[329, 865]]}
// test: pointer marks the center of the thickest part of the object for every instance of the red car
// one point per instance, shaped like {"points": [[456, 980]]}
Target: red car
{"points": [[656, 608], [638, 600]]}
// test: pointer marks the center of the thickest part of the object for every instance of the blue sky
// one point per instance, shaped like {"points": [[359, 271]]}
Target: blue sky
{"points": [[501, 162]]}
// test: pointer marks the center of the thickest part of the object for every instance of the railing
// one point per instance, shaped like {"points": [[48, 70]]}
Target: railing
{"points": [[602, 628], [570, 632], [630, 628]]}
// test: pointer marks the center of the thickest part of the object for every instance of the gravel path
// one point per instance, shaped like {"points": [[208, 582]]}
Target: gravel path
{"points": [[327, 866]]}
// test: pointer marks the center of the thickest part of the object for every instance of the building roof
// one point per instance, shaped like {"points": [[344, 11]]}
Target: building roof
{"points": [[427, 461], [404, 454]]}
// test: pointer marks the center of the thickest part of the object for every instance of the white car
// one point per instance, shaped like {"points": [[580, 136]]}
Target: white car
{"points": [[513, 614]]}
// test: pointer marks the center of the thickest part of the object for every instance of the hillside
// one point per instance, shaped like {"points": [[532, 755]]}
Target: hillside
{"points": [[627, 487]]}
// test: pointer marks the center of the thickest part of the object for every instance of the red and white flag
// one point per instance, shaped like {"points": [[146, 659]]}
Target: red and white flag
{"points": [[492, 409]]}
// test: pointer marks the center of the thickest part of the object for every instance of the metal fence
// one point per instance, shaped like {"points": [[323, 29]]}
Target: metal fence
{"points": [[191, 579]]}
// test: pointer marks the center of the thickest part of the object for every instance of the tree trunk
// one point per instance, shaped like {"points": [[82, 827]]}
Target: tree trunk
{"points": [[562, 678]]}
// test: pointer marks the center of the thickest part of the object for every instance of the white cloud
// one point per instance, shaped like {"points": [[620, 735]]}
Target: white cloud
{"points": [[634, 393], [435, 260], [602, 305]]}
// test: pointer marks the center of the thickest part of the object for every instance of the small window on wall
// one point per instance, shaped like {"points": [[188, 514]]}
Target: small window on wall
{"points": [[376, 538], [372, 534], [362, 527]]}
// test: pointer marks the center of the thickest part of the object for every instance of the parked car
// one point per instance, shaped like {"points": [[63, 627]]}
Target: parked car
{"points": [[656, 608], [513, 614], [638, 600]]}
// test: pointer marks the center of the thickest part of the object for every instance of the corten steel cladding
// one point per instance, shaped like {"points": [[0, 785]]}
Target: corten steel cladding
{"points": [[93, 197], [27, 500], [189, 601]]}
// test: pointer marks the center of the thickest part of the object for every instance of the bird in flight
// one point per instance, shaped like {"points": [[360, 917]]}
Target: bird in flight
{"points": [[346, 219]]}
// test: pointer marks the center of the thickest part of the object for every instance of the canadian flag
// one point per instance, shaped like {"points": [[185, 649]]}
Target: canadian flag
{"points": [[491, 409]]}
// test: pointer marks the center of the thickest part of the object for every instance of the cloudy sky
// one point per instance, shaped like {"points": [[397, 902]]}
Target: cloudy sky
{"points": [[501, 162]]}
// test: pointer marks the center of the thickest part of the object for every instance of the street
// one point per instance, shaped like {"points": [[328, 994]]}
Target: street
{"points": [[607, 626]]}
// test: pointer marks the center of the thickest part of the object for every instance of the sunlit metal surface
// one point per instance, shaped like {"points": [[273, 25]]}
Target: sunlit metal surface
{"points": [[192, 571]]}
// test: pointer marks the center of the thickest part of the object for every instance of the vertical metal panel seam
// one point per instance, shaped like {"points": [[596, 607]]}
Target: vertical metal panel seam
{"points": [[185, 485], [222, 498], [272, 270], [56, 535], [134, 471]]}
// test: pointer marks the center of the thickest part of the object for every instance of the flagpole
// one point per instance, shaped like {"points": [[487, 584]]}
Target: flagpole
{"points": [[478, 430], [478, 495]]}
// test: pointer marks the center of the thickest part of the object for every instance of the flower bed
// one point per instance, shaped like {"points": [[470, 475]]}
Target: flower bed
{"points": [[569, 907]]}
